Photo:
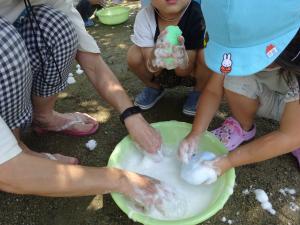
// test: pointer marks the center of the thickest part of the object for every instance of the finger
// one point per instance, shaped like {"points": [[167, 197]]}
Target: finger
{"points": [[162, 34], [181, 40], [183, 156], [160, 208]]}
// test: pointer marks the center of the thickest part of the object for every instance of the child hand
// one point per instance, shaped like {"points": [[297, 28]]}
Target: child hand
{"points": [[201, 169], [187, 148], [180, 55], [167, 56], [161, 51]]}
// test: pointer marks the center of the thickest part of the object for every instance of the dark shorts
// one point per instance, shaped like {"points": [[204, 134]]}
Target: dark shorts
{"points": [[168, 79]]}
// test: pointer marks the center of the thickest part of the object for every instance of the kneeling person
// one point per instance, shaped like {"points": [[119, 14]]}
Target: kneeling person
{"points": [[149, 27]]}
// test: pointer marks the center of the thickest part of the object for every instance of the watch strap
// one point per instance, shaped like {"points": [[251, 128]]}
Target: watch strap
{"points": [[129, 112]]}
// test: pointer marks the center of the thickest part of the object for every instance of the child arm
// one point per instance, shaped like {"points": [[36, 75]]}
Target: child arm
{"points": [[208, 104], [279, 142]]}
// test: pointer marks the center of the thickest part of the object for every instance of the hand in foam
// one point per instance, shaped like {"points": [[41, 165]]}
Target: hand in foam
{"points": [[187, 148], [170, 51], [159, 198], [200, 169]]}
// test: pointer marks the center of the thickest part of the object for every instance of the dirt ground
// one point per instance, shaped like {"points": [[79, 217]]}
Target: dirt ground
{"points": [[242, 209]]}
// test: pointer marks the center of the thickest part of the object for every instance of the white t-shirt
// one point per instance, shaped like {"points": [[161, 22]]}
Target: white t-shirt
{"points": [[144, 28], [11, 9], [9, 147]]}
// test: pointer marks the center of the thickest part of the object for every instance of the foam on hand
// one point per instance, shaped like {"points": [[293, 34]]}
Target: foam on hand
{"points": [[195, 172]]}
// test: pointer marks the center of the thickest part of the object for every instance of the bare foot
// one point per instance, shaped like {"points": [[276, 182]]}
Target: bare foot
{"points": [[75, 124], [58, 157]]}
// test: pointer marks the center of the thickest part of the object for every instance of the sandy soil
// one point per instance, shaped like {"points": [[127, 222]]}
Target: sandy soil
{"points": [[28, 210]]}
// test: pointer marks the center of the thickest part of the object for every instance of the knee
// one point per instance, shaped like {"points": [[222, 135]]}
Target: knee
{"points": [[58, 29], [134, 57]]}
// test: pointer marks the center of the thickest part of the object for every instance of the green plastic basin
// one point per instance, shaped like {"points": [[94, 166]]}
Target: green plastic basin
{"points": [[172, 133], [113, 15]]}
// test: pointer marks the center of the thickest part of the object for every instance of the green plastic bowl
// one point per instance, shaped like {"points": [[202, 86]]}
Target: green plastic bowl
{"points": [[113, 15], [172, 133]]}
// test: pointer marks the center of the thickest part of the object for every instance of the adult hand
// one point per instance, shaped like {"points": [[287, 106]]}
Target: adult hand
{"points": [[150, 194], [146, 137], [188, 147]]}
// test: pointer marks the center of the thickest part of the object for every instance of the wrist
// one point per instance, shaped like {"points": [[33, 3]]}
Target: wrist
{"points": [[194, 135], [223, 164], [133, 120], [115, 179], [130, 112]]}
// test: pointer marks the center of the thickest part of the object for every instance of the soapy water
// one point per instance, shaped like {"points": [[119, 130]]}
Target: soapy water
{"points": [[178, 199], [165, 202]]}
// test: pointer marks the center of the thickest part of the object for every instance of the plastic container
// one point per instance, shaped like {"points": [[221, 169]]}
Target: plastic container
{"points": [[172, 133], [173, 33], [113, 15]]}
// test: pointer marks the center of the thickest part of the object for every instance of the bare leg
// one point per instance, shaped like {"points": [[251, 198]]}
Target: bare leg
{"points": [[137, 64], [201, 73], [243, 109]]}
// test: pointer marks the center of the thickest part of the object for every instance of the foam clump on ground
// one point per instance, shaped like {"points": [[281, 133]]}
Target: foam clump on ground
{"points": [[263, 198], [91, 145]]}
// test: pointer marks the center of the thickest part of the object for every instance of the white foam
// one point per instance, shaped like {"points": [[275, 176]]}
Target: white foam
{"points": [[224, 219], [91, 145], [79, 71], [246, 192], [263, 198], [285, 191], [192, 199], [71, 80], [195, 172], [294, 207]]}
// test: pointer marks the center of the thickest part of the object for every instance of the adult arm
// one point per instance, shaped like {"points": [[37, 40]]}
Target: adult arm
{"points": [[26, 174], [108, 86]]}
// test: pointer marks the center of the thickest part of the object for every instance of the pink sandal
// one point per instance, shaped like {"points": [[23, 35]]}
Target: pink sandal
{"points": [[231, 134], [296, 153]]}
